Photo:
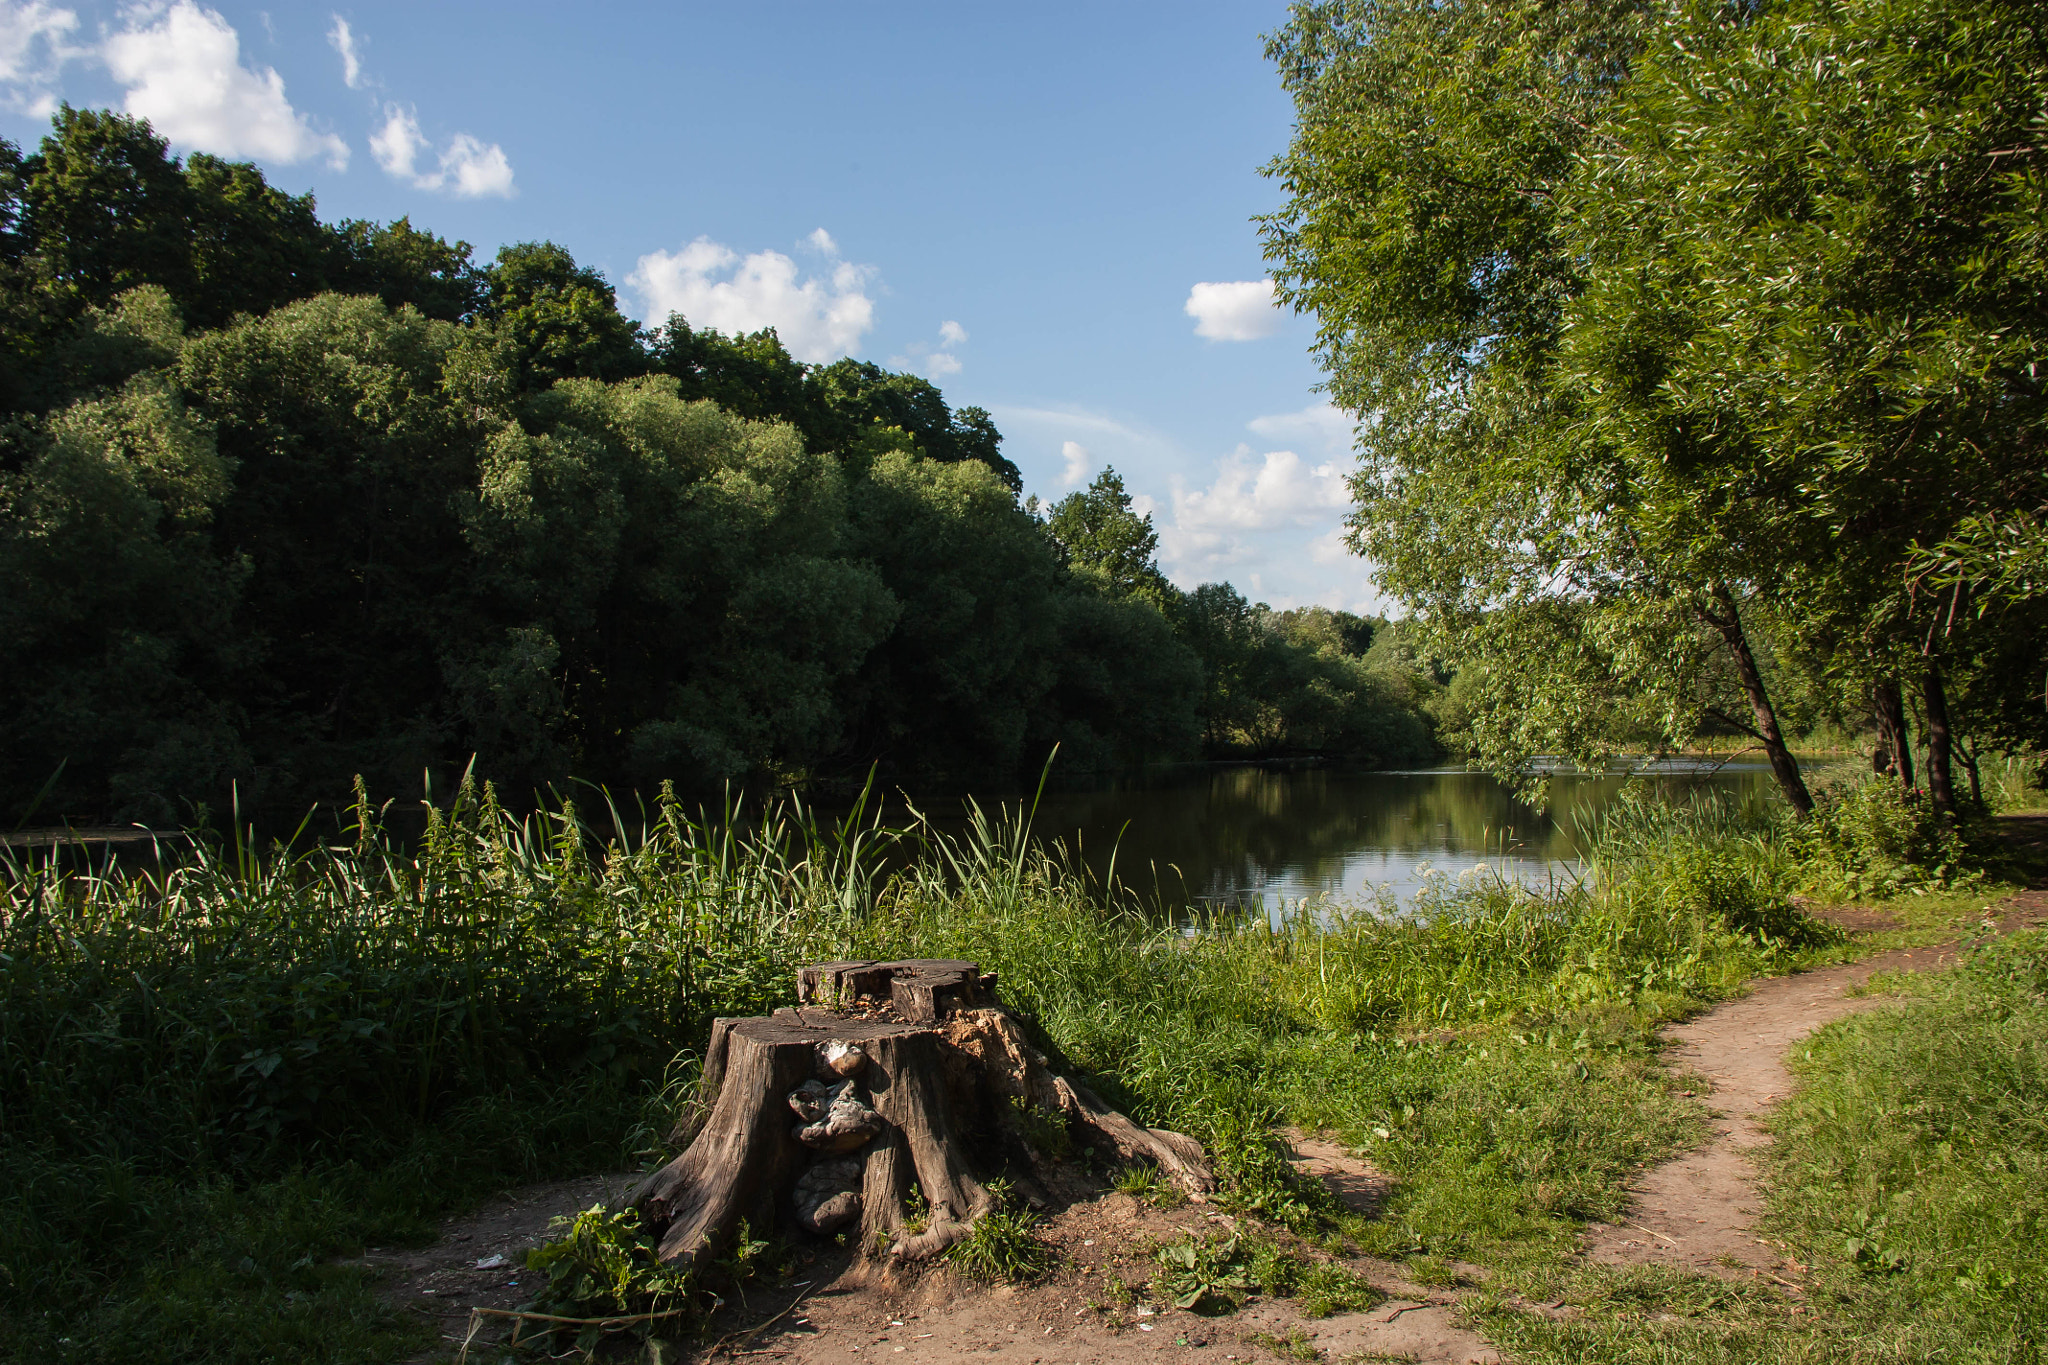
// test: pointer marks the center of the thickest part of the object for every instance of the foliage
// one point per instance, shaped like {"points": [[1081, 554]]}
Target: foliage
{"points": [[1002, 1248], [1202, 1274], [283, 502], [1675, 327], [604, 1264], [1879, 836], [1107, 543]]}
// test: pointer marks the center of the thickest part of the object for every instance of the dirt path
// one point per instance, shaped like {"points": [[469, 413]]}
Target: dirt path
{"points": [[1698, 1211]]}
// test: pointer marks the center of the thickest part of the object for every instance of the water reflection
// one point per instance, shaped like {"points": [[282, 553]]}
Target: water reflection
{"points": [[1223, 835]]}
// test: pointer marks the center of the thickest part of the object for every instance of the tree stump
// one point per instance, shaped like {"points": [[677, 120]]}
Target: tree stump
{"points": [[884, 1075]]}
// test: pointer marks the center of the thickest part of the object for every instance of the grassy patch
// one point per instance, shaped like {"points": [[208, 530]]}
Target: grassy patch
{"points": [[217, 1080]]}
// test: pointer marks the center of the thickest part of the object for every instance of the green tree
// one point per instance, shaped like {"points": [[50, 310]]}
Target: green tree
{"points": [[1812, 320], [1107, 544], [1422, 228], [561, 320]]}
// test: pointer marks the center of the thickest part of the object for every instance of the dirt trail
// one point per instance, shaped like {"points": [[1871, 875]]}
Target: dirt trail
{"points": [[1698, 1211]]}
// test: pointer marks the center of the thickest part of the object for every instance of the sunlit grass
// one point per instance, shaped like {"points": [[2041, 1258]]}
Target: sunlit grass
{"points": [[253, 1060]]}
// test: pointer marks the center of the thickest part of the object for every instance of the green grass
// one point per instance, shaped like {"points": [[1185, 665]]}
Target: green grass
{"points": [[1907, 1179], [217, 1079]]}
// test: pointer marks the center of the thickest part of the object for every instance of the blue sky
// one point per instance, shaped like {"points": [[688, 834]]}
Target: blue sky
{"points": [[1019, 202]]}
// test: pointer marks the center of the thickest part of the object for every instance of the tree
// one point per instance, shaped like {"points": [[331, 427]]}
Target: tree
{"points": [[1812, 316], [1106, 543], [561, 320], [1422, 229]]}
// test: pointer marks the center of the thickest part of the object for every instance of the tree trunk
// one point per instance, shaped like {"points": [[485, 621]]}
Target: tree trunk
{"points": [[899, 1074], [1783, 766], [1940, 781], [1892, 736]]}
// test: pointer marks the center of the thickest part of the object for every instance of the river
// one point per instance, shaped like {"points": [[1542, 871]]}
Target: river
{"points": [[1229, 834]]}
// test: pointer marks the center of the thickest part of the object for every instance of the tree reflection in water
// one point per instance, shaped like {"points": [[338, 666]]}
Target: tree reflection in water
{"points": [[1226, 834]]}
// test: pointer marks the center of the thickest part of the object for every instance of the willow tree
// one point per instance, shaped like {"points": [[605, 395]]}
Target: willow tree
{"points": [[1422, 229], [1812, 321]]}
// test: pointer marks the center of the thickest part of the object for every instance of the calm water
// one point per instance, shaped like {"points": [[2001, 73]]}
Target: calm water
{"points": [[1228, 834]]}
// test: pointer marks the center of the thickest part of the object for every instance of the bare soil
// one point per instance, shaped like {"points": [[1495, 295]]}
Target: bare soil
{"points": [[1094, 1308]]}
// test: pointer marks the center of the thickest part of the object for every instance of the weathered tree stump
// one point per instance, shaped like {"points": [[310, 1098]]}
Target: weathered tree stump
{"points": [[886, 1073]]}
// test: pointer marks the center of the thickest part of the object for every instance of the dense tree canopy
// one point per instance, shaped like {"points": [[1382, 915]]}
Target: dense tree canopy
{"points": [[1695, 343], [284, 502]]}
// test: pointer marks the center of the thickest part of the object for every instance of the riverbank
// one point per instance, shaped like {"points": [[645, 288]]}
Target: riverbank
{"points": [[257, 1067]]}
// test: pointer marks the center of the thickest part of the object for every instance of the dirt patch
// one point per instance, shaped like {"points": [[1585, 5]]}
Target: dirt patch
{"points": [[1096, 1309], [1698, 1212], [1857, 919], [1359, 1185], [479, 1261]]}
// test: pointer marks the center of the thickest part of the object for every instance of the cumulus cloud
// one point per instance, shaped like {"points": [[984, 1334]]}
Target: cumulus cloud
{"points": [[819, 318], [32, 48], [952, 334], [1331, 547], [343, 40], [1241, 310], [466, 167], [1258, 505], [182, 68], [1079, 462], [1262, 493]]}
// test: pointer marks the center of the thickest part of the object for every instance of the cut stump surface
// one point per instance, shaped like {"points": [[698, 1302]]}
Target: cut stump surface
{"points": [[885, 1076]]}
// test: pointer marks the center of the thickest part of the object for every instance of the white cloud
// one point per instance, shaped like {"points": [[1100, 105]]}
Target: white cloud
{"points": [[712, 285], [398, 144], [1331, 548], [1079, 462], [1259, 511], [1242, 310], [343, 40], [1322, 425], [934, 362], [467, 167], [32, 48], [183, 72], [1262, 493], [476, 169]]}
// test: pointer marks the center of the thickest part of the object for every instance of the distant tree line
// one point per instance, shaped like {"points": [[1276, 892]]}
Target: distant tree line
{"points": [[1702, 348], [284, 501]]}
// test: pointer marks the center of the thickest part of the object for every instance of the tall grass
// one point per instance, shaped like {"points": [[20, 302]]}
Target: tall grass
{"points": [[219, 1073]]}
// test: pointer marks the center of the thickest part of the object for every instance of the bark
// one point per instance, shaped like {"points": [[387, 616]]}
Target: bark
{"points": [[926, 1075], [1892, 737], [1783, 766], [1940, 778]]}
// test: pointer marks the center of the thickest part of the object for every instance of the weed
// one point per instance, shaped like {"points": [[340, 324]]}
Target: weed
{"points": [[1142, 1181], [606, 1263], [1047, 1134], [258, 1061], [1325, 1288], [1003, 1248], [1202, 1275]]}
